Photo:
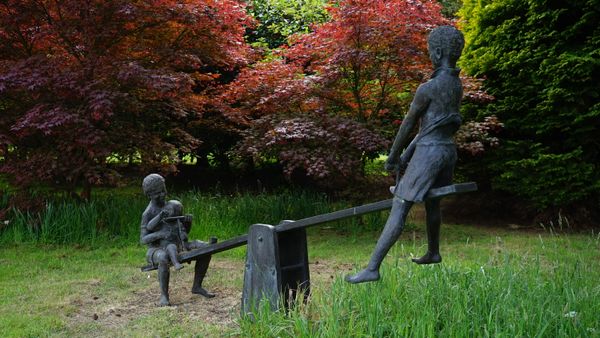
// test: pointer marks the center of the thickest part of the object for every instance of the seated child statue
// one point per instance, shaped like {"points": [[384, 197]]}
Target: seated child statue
{"points": [[164, 228], [169, 234]]}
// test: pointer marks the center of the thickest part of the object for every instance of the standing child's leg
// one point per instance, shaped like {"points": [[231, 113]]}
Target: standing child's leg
{"points": [[390, 234], [434, 219]]}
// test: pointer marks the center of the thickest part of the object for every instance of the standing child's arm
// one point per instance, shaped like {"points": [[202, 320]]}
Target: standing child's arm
{"points": [[417, 107]]}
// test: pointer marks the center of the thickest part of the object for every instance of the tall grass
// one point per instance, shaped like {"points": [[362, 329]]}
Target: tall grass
{"points": [[68, 222], [114, 216], [508, 297]]}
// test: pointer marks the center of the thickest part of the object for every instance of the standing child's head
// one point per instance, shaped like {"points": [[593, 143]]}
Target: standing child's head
{"points": [[445, 44], [154, 187]]}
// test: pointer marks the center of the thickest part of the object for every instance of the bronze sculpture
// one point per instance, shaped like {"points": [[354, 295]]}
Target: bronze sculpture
{"points": [[165, 229], [429, 159]]}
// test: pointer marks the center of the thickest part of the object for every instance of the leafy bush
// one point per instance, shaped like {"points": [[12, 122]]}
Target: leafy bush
{"points": [[279, 19], [327, 149], [341, 89], [474, 137], [541, 60], [86, 84]]}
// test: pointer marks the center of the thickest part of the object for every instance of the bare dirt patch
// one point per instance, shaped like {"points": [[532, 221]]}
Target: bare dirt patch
{"points": [[225, 279], [116, 311], [325, 271]]}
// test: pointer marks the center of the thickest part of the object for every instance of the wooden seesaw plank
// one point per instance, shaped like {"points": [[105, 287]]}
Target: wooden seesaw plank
{"points": [[324, 218]]}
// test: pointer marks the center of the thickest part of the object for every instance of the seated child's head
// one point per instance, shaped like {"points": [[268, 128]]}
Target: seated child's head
{"points": [[154, 186]]}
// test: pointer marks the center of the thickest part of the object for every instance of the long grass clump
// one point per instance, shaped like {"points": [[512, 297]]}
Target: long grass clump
{"points": [[69, 222], [507, 298], [113, 217]]}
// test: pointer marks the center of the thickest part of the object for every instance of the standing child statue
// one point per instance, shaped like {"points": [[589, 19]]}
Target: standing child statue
{"points": [[429, 159], [164, 228]]}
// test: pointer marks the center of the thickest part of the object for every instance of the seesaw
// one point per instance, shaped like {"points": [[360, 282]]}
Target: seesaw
{"points": [[277, 256]]}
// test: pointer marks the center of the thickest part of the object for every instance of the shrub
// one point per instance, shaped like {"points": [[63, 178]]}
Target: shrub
{"points": [[541, 61]]}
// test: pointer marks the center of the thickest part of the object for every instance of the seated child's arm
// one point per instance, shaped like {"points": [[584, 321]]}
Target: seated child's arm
{"points": [[154, 236], [155, 222]]}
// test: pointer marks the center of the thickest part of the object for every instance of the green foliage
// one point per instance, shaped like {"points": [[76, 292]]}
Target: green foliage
{"points": [[564, 174], [541, 60], [279, 19], [61, 222], [450, 7]]}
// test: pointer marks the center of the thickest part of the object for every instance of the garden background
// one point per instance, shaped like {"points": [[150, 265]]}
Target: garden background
{"points": [[259, 111]]}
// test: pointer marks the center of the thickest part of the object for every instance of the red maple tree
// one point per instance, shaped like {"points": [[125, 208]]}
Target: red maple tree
{"points": [[329, 101], [87, 83]]}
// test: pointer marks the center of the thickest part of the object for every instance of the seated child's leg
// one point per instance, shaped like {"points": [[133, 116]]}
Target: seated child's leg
{"points": [[172, 251]]}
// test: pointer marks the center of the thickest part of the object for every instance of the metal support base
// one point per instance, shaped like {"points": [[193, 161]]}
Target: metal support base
{"points": [[276, 268]]}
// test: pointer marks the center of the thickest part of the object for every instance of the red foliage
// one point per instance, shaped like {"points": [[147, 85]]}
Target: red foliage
{"points": [[326, 148], [263, 89], [354, 71], [85, 81], [473, 91], [474, 137], [369, 52]]}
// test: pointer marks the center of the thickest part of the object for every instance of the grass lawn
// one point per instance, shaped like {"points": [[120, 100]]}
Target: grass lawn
{"points": [[492, 282]]}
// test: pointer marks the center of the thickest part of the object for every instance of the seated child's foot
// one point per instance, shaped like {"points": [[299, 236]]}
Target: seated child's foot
{"points": [[365, 275], [203, 292], [164, 301], [178, 266], [428, 258]]}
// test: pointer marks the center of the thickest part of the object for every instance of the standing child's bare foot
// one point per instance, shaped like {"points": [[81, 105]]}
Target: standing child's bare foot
{"points": [[365, 275], [428, 258]]}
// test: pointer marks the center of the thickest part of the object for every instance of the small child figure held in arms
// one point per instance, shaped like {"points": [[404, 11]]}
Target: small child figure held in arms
{"points": [[170, 233]]}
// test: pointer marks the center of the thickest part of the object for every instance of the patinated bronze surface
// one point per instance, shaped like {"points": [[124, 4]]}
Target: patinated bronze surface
{"points": [[429, 159], [165, 229]]}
